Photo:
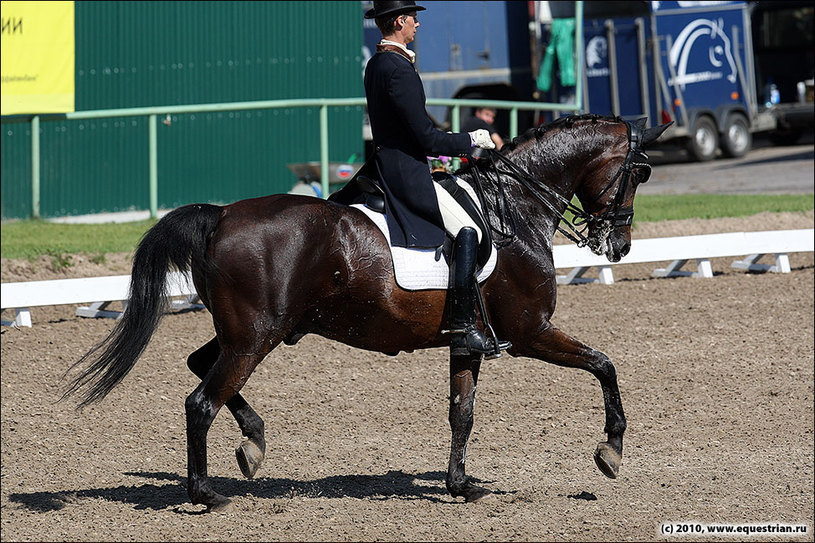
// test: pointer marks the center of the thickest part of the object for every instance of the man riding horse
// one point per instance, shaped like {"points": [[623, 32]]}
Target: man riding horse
{"points": [[404, 135]]}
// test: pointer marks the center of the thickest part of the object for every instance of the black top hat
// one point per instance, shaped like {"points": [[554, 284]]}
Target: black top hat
{"points": [[383, 8]]}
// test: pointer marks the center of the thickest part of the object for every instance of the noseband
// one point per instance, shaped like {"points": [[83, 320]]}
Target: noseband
{"points": [[615, 215], [618, 214]]}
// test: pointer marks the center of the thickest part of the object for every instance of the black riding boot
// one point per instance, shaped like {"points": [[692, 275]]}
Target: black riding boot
{"points": [[466, 338]]}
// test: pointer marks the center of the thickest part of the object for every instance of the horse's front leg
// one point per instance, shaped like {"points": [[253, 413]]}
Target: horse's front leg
{"points": [[463, 381], [554, 346]]}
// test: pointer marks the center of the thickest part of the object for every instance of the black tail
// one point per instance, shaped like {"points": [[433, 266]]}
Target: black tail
{"points": [[178, 240]]}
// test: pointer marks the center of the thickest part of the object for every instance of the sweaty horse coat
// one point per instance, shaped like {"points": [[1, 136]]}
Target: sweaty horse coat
{"points": [[405, 136]]}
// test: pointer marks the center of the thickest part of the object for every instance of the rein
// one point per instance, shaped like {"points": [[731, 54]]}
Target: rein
{"points": [[615, 215]]}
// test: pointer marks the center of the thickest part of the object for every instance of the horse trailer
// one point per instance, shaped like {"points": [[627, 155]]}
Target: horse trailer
{"points": [[687, 62]]}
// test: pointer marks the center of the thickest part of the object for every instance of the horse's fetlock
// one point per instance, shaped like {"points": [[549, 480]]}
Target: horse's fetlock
{"points": [[616, 429], [198, 491], [456, 485]]}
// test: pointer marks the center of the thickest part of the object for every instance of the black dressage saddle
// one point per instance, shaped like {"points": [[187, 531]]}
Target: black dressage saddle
{"points": [[374, 198]]}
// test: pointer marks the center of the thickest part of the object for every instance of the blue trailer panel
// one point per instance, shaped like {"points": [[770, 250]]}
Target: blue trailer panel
{"points": [[703, 57], [619, 68], [687, 62]]}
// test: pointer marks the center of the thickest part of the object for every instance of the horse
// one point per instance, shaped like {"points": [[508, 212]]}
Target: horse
{"points": [[275, 268]]}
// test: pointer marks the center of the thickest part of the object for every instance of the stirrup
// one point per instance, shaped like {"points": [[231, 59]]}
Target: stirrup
{"points": [[470, 341]]}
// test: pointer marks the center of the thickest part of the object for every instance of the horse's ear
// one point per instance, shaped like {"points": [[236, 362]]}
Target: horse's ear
{"points": [[640, 123], [653, 134]]}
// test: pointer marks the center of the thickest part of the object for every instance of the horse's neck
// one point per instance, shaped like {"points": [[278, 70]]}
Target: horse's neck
{"points": [[560, 160], [558, 171]]}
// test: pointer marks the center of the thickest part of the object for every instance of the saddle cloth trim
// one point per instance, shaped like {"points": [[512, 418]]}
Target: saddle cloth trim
{"points": [[418, 269]]}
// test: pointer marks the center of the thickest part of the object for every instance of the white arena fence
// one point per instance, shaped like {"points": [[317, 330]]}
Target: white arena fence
{"points": [[100, 292]]}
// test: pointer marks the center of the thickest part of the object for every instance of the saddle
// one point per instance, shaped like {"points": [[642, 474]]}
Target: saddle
{"points": [[374, 198]]}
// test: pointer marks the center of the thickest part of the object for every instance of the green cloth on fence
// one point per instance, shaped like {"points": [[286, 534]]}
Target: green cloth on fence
{"points": [[561, 42]]}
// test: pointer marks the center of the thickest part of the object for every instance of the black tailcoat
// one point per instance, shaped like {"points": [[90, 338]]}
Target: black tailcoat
{"points": [[405, 136]]}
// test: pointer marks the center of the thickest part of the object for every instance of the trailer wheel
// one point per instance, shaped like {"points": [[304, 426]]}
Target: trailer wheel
{"points": [[737, 137], [704, 139]]}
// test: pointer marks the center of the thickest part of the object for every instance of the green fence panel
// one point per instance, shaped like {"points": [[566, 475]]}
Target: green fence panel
{"points": [[15, 170], [141, 54]]}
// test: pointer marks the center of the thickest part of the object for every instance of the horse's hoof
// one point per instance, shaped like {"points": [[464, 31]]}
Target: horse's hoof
{"points": [[472, 493], [476, 493], [608, 460], [219, 504], [249, 458]]}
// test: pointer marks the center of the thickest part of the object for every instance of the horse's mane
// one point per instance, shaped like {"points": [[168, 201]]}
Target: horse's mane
{"points": [[558, 124], [536, 133], [483, 170]]}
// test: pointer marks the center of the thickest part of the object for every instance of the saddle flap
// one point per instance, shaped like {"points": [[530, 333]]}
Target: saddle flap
{"points": [[463, 198], [373, 193]]}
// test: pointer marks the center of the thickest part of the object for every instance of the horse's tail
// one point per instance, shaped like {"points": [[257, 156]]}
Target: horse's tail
{"points": [[178, 240]]}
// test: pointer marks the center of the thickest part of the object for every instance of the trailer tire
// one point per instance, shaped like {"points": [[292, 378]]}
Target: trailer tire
{"points": [[704, 139], [737, 138]]}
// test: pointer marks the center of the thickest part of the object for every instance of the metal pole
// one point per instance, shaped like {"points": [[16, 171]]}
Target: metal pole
{"points": [[153, 168], [455, 122], [581, 67], [455, 118], [612, 67], [748, 97], [643, 68], [35, 167], [682, 107], [513, 122], [324, 149]]}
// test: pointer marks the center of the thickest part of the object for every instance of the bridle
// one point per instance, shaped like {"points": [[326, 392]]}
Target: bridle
{"points": [[615, 215]]}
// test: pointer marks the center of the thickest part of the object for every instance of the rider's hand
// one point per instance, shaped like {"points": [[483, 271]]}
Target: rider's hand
{"points": [[481, 138]]}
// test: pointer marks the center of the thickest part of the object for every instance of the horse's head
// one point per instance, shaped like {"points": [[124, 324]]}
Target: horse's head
{"points": [[607, 192]]}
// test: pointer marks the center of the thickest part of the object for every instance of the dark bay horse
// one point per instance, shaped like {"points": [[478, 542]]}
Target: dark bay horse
{"points": [[273, 269]]}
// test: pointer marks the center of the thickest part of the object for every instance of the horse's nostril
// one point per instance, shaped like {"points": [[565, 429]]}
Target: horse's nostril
{"points": [[625, 248]]}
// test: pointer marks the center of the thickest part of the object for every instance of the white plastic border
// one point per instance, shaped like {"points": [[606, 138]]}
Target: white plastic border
{"points": [[101, 291]]}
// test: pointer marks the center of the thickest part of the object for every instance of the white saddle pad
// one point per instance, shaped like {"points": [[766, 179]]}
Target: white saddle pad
{"points": [[418, 269]]}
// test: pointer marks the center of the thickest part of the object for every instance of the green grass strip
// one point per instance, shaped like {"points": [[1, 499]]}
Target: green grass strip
{"points": [[655, 208], [30, 239]]}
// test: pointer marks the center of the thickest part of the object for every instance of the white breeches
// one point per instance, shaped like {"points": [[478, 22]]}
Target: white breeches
{"points": [[452, 214]]}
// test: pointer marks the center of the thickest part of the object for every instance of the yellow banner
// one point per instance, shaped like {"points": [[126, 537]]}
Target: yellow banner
{"points": [[37, 45]]}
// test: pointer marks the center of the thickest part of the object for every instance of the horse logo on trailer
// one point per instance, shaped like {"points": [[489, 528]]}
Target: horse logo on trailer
{"points": [[693, 65], [597, 57]]}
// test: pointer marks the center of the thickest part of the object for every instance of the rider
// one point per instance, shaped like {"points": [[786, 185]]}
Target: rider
{"points": [[404, 136]]}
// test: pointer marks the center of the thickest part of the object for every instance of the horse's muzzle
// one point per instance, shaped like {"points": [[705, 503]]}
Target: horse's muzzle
{"points": [[617, 246]]}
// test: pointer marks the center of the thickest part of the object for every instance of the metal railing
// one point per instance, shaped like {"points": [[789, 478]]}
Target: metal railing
{"points": [[323, 103]]}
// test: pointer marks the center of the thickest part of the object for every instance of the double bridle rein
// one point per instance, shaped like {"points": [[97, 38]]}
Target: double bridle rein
{"points": [[616, 213]]}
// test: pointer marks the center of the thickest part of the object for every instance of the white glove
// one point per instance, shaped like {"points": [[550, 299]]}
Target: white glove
{"points": [[481, 138]]}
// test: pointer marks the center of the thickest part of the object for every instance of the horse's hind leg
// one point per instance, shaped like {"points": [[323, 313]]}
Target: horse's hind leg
{"points": [[463, 380], [224, 380], [558, 348], [250, 453]]}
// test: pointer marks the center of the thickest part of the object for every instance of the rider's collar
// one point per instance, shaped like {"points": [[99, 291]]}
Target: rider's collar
{"points": [[410, 54]]}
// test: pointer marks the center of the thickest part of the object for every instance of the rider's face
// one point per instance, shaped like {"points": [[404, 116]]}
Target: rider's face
{"points": [[410, 22]]}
